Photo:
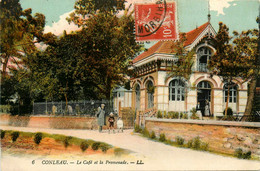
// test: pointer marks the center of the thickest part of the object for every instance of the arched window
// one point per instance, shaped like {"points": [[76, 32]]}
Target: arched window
{"points": [[150, 93], [203, 55], [137, 96], [176, 90], [232, 92]]}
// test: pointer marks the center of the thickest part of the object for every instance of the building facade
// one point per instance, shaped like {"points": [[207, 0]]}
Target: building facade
{"points": [[153, 88]]}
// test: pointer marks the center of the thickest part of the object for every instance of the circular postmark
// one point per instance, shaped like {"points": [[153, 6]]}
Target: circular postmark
{"points": [[149, 18]]}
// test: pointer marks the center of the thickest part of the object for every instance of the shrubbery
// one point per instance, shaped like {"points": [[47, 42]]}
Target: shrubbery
{"points": [[15, 135], [162, 137], [138, 129], [159, 114], [145, 132], [95, 146], [37, 138], [229, 112], [104, 147], [179, 140], [194, 113], [66, 141], [83, 146], [152, 136], [240, 154]]}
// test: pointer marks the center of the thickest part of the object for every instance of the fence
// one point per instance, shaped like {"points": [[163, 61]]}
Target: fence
{"points": [[79, 108]]}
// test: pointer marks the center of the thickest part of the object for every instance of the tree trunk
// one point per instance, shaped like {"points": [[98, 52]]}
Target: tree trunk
{"points": [[227, 101], [250, 98]]}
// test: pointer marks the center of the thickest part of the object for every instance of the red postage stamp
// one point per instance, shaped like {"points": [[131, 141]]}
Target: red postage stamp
{"points": [[156, 21]]}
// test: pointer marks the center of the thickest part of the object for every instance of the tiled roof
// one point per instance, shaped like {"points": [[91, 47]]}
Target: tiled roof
{"points": [[166, 46], [193, 34], [159, 47]]}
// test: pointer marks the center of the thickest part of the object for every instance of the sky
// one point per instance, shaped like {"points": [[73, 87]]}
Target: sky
{"points": [[238, 15]]}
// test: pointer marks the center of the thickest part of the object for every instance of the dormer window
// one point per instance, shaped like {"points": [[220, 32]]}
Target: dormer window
{"points": [[203, 55]]}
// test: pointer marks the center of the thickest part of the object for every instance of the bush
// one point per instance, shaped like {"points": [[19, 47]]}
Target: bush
{"points": [[2, 134], [185, 116], [241, 155], [189, 144], [95, 146], [37, 138], [152, 136], [173, 115], [196, 143], [229, 112], [15, 135], [66, 141], [146, 133], [165, 114], [83, 146], [138, 129], [194, 113], [104, 147], [162, 137], [159, 114], [179, 140], [204, 146]]}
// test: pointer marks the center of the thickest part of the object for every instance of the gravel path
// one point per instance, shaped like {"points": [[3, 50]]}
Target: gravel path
{"points": [[154, 155]]}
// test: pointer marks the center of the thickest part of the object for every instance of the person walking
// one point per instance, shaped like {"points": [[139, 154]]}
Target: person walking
{"points": [[111, 121], [101, 117]]}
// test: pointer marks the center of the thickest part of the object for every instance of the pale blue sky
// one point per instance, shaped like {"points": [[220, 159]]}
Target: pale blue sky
{"points": [[240, 15]]}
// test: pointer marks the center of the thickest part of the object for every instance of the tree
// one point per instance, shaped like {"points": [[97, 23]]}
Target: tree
{"points": [[183, 67], [236, 59], [19, 29], [108, 44]]}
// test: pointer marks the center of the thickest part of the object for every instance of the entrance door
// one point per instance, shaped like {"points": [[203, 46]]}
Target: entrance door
{"points": [[203, 95]]}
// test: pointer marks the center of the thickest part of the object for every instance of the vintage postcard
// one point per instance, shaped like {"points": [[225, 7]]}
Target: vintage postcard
{"points": [[130, 85]]}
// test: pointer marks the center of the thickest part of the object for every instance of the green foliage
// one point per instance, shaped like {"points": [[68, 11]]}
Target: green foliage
{"points": [[194, 113], [15, 135], [159, 114], [196, 143], [104, 147], [2, 133], [5, 108], [165, 114], [84, 146], [189, 144], [138, 129], [204, 146], [229, 112], [179, 140], [145, 132], [240, 154], [162, 137], [185, 116], [237, 56], [183, 67], [152, 135], [66, 141], [173, 115], [37, 138], [95, 146]]}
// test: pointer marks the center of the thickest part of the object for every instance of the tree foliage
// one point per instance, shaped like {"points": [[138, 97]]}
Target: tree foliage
{"points": [[236, 57], [183, 66]]}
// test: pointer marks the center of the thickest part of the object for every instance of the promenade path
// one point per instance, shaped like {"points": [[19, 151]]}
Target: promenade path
{"points": [[154, 155]]}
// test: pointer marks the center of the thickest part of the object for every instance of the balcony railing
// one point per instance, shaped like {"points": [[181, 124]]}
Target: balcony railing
{"points": [[203, 67]]}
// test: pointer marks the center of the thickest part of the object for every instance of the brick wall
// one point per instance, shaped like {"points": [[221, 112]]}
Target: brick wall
{"points": [[224, 137]]}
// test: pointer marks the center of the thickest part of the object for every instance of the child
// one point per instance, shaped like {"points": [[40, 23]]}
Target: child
{"points": [[120, 124], [111, 121]]}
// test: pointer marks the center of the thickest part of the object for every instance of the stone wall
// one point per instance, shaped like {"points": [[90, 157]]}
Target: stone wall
{"points": [[221, 136], [60, 122]]}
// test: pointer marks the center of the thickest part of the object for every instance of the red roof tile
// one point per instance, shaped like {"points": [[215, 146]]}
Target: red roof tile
{"points": [[193, 34], [166, 46]]}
